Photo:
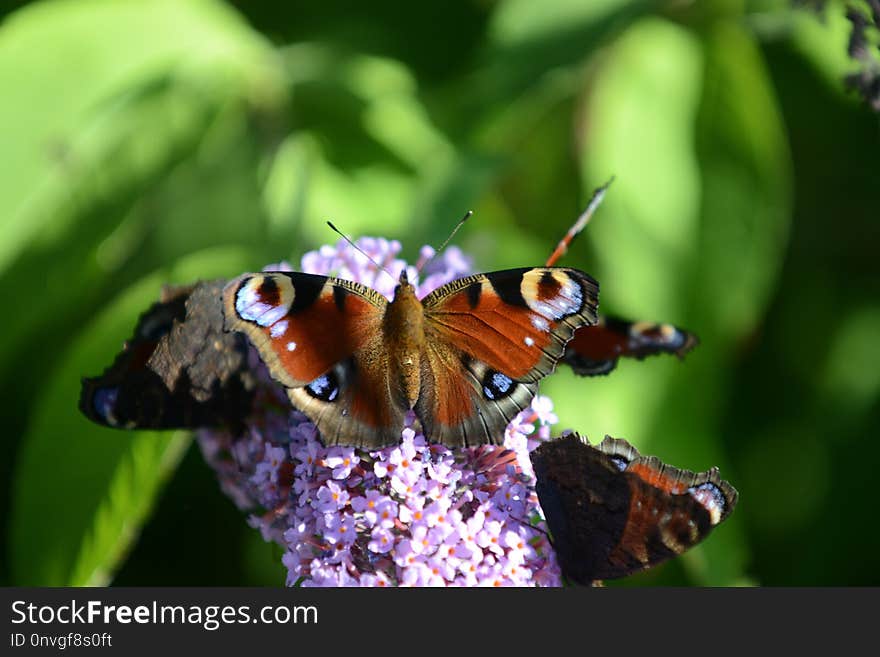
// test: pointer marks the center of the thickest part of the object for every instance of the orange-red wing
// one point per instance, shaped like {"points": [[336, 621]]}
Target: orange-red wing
{"points": [[595, 349], [322, 339], [515, 321], [302, 324], [463, 402]]}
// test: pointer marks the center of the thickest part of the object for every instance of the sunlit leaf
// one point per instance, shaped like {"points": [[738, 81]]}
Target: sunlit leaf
{"points": [[55, 144]]}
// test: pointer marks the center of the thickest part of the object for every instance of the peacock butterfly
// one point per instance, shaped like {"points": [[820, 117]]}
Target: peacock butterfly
{"points": [[180, 369], [612, 512], [467, 358]]}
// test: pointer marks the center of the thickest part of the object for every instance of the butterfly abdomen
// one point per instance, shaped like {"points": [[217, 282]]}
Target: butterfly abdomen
{"points": [[404, 327]]}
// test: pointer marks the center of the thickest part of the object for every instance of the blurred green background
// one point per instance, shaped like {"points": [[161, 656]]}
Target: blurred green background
{"points": [[154, 141]]}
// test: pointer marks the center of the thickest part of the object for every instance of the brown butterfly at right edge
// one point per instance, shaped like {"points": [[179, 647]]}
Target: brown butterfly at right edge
{"points": [[612, 512], [594, 350]]}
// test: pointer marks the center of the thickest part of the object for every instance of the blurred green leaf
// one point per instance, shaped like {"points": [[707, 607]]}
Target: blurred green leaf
{"points": [[365, 142], [139, 476], [852, 370], [528, 40], [746, 199], [150, 95], [55, 144], [821, 35], [745, 212]]}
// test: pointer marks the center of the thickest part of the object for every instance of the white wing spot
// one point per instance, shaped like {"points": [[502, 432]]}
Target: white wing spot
{"points": [[540, 323], [528, 340], [291, 345]]}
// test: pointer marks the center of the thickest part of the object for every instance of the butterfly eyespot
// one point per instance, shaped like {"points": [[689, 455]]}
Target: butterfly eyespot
{"points": [[554, 295], [620, 462], [712, 498], [497, 386], [260, 300], [325, 387], [103, 403]]}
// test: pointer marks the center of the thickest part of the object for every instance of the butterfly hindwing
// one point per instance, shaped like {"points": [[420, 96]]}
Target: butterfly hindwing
{"points": [[612, 512], [463, 402]]}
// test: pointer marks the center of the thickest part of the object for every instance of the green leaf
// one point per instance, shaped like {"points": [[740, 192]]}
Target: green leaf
{"points": [[745, 217], [822, 37], [81, 492], [139, 476], [746, 195], [48, 53], [529, 42]]}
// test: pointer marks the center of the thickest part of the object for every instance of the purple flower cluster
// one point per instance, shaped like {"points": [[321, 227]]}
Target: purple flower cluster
{"points": [[413, 514]]}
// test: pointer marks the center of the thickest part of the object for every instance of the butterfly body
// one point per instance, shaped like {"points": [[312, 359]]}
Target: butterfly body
{"points": [[466, 358], [404, 326]]}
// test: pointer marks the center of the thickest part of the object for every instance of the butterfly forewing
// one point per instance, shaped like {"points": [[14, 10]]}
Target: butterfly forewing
{"points": [[515, 321], [302, 324]]}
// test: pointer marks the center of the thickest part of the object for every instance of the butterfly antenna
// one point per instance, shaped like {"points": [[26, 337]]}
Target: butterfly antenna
{"points": [[579, 225], [360, 250], [467, 215]]}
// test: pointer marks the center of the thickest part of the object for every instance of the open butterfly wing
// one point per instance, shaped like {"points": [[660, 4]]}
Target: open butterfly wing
{"points": [[489, 339], [516, 321], [301, 324], [321, 338]]}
